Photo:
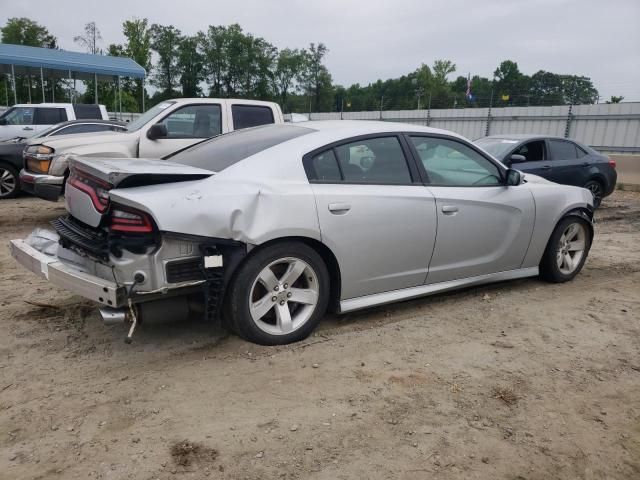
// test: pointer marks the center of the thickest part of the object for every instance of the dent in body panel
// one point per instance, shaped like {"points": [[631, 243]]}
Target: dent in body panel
{"points": [[244, 211]]}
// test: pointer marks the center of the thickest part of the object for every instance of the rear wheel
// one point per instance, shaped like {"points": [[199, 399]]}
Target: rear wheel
{"points": [[279, 294], [566, 251], [9, 182], [597, 190]]}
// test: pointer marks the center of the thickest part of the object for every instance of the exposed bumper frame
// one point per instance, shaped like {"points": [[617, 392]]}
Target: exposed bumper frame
{"points": [[67, 277]]}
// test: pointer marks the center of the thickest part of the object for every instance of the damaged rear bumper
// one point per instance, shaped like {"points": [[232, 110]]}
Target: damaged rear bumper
{"points": [[69, 277]]}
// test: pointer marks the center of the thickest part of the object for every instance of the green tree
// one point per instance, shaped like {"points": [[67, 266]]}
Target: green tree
{"points": [[165, 41], [316, 79], [138, 47], [546, 88], [511, 84], [615, 99], [288, 67], [190, 63], [24, 31]]}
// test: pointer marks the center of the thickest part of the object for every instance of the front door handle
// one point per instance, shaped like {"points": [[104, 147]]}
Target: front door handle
{"points": [[449, 209], [27, 128], [546, 167], [339, 208]]}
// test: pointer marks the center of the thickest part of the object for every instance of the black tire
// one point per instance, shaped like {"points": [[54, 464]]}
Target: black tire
{"points": [[549, 268], [9, 181], [597, 190], [237, 314]]}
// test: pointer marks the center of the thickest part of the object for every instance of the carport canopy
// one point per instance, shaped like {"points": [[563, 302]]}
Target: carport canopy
{"points": [[23, 60]]}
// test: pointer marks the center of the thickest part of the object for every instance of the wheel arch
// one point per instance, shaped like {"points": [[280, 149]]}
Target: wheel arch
{"points": [[329, 258]]}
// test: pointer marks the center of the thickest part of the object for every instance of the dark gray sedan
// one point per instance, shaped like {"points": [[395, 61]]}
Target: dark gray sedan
{"points": [[557, 159]]}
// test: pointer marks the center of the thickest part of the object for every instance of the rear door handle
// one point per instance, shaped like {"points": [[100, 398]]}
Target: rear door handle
{"points": [[27, 128], [449, 209], [339, 208]]}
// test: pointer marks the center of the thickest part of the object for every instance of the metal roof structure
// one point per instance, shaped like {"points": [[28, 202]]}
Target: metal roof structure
{"points": [[25, 60]]}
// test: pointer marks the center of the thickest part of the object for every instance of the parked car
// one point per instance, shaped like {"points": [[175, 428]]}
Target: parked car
{"points": [[557, 159], [26, 120], [11, 160], [165, 128], [273, 225]]}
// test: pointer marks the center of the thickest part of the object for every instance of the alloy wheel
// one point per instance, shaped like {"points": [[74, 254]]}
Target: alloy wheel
{"points": [[8, 182], [571, 248], [284, 296]]}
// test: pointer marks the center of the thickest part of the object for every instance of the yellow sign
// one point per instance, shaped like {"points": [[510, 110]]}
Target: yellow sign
{"points": [[505, 97]]}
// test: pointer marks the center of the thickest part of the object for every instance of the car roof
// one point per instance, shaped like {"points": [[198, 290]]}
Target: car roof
{"points": [[524, 136], [365, 127]]}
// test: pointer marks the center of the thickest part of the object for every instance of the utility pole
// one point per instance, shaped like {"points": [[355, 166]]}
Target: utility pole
{"points": [[419, 93], [381, 104], [486, 130], [429, 110]]}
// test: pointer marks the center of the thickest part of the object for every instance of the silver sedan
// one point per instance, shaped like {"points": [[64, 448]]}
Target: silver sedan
{"points": [[269, 227]]}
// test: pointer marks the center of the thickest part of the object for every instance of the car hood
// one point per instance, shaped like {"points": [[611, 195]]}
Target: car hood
{"points": [[531, 178], [63, 142]]}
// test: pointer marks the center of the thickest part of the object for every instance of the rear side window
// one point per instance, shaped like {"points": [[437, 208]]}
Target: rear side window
{"points": [[50, 116], [324, 167], [561, 150], [246, 116], [376, 161]]}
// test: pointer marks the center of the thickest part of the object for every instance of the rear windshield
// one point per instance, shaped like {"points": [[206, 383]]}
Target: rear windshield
{"points": [[498, 147], [220, 152]]}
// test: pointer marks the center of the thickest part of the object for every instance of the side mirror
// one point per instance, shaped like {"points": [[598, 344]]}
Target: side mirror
{"points": [[514, 178], [3, 121], [158, 130], [515, 158]]}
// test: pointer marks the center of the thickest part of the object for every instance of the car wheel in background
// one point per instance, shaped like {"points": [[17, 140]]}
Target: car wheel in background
{"points": [[9, 182], [597, 190], [278, 295], [567, 250]]}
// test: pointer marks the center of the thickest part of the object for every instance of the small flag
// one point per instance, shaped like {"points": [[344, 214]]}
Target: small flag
{"points": [[469, 95], [505, 98]]}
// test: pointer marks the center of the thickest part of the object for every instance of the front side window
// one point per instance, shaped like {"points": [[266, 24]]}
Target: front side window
{"points": [[451, 163], [532, 151], [246, 116], [194, 121], [19, 116], [561, 150]]}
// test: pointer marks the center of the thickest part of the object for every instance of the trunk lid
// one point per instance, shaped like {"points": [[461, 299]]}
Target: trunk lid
{"points": [[91, 179]]}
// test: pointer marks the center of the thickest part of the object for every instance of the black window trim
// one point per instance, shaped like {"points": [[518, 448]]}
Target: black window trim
{"points": [[414, 173], [502, 170], [186, 105]]}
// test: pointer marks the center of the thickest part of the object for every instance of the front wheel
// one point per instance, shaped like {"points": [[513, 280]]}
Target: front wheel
{"points": [[9, 182], [279, 294], [567, 250]]}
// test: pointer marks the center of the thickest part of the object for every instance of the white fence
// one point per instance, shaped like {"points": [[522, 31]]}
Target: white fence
{"points": [[611, 128]]}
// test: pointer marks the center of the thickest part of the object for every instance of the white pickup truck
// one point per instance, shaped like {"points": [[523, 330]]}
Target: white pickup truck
{"points": [[26, 120], [164, 129]]}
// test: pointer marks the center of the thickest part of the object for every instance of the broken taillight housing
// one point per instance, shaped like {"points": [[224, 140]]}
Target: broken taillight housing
{"points": [[129, 220], [98, 190]]}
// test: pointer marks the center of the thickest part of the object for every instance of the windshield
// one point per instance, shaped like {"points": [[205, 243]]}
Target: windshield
{"points": [[498, 147], [17, 116], [143, 119], [220, 152]]}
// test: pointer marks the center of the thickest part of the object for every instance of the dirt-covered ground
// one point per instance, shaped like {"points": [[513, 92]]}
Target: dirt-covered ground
{"points": [[521, 380]]}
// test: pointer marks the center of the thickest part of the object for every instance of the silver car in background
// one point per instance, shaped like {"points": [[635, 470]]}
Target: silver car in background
{"points": [[269, 227]]}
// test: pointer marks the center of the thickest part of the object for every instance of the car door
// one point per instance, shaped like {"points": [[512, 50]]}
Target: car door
{"points": [[570, 165], [18, 122], [484, 226], [537, 160], [374, 213], [185, 126]]}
